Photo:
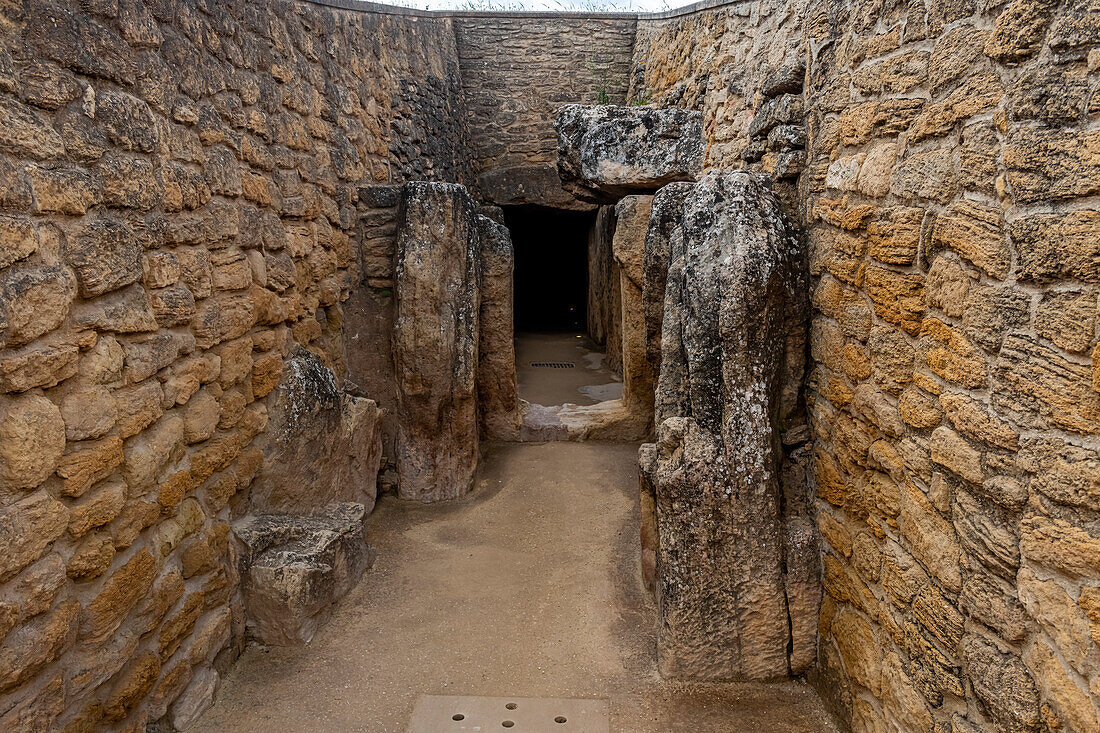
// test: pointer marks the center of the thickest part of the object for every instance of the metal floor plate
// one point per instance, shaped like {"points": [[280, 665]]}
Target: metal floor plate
{"points": [[444, 714]]}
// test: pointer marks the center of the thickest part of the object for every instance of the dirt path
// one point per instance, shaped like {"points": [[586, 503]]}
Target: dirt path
{"points": [[529, 587]]}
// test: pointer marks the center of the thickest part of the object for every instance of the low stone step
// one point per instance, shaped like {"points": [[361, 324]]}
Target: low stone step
{"points": [[294, 569]]}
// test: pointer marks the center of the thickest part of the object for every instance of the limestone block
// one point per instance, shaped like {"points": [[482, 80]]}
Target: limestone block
{"points": [[528, 184], [1002, 683], [33, 302], [294, 569], [605, 151], [435, 338], [322, 444], [731, 302], [106, 256]]}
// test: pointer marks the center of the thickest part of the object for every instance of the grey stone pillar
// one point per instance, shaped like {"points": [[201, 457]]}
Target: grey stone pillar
{"points": [[734, 278], [498, 399]]}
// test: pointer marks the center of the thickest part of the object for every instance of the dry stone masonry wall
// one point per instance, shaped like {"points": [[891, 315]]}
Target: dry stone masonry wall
{"points": [[953, 230], [177, 211], [517, 71], [950, 198]]}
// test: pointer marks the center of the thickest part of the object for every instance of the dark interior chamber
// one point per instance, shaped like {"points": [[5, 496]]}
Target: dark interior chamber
{"points": [[551, 267]]}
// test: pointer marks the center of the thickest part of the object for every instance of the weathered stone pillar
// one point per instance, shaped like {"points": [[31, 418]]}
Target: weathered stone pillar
{"points": [[666, 213], [498, 398], [734, 271], [628, 246], [435, 339], [599, 275]]}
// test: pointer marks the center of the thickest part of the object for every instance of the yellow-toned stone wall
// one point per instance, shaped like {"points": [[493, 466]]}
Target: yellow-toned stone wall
{"points": [[955, 238], [178, 210], [952, 223], [740, 64]]}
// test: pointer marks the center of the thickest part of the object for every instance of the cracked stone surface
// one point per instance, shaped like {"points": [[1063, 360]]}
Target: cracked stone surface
{"points": [[605, 151]]}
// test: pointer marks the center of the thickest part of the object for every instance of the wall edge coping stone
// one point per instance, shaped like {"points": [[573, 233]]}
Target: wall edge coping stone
{"points": [[371, 7]]}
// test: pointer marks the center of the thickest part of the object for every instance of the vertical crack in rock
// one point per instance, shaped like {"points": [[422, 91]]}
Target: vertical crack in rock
{"points": [[435, 339], [733, 301]]}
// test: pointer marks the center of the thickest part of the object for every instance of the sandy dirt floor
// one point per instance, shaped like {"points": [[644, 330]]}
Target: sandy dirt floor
{"points": [[587, 383], [529, 587]]}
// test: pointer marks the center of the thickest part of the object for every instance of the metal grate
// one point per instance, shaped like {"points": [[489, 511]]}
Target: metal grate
{"points": [[444, 714], [553, 364]]}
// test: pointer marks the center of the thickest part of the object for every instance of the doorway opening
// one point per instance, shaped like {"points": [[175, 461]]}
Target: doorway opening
{"points": [[556, 279]]}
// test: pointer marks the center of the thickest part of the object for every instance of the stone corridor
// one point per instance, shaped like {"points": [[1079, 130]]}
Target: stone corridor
{"points": [[527, 587]]}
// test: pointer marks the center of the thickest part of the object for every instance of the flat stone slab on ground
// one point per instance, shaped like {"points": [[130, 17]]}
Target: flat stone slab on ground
{"points": [[443, 714]]}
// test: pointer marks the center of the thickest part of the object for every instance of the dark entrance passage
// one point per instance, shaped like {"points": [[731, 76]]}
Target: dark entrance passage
{"points": [[551, 267], [556, 362]]}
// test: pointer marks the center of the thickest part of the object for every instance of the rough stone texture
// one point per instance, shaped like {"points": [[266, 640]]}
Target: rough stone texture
{"points": [[604, 306], [666, 211], [628, 247], [732, 294], [498, 398], [322, 445], [435, 337], [178, 213], [517, 71], [605, 151], [181, 205], [295, 568], [742, 66], [948, 212]]}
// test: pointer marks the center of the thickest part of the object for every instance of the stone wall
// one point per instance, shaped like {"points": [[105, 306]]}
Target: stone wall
{"points": [[517, 70], [950, 205], [178, 192], [954, 162], [741, 64]]}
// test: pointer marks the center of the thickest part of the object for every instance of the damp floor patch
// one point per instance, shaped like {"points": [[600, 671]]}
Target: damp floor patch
{"points": [[553, 364], [444, 714]]}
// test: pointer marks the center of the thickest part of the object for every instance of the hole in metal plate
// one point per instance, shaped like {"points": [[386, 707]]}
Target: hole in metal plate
{"points": [[553, 364], [436, 714]]}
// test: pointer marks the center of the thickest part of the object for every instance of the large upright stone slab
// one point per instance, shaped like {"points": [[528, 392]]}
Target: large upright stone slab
{"points": [[322, 444], [498, 396], [606, 151], [666, 213], [732, 296], [435, 338], [628, 246], [603, 287]]}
